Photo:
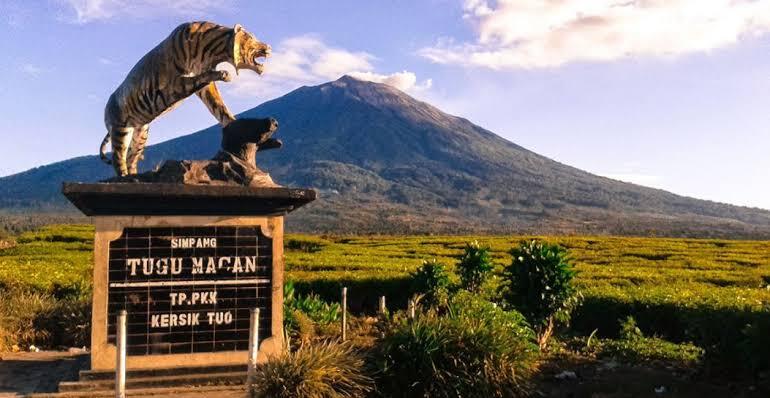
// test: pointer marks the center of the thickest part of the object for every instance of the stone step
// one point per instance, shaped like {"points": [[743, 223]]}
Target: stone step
{"points": [[183, 380], [86, 375], [177, 392]]}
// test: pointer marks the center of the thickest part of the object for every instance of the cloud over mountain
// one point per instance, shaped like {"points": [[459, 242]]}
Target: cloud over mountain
{"points": [[536, 34], [307, 59]]}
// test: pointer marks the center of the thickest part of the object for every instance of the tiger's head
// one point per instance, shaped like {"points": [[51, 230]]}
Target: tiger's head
{"points": [[247, 50]]}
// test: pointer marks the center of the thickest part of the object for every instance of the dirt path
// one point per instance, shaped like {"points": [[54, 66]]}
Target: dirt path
{"points": [[608, 379], [29, 372]]}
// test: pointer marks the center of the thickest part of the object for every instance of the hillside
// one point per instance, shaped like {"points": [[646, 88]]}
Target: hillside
{"points": [[385, 162]]}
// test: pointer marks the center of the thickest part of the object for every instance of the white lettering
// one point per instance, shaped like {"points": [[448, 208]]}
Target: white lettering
{"points": [[189, 243], [237, 267], [147, 264], [251, 264], [133, 262], [211, 266], [197, 265], [220, 317], [176, 266], [175, 320], [162, 266]]}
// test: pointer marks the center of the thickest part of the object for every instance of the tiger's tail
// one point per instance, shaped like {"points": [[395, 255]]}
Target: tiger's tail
{"points": [[103, 149]]}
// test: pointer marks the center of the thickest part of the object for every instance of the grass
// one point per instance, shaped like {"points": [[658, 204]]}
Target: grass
{"points": [[713, 293], [323, 370]]}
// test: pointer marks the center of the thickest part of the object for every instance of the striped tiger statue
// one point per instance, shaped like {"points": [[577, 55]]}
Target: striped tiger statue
{"points": [[181, 65]]}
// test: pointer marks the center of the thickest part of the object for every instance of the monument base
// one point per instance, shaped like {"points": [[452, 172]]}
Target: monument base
{"points": [[187, 263]]}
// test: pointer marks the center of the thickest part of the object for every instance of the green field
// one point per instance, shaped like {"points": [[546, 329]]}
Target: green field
{"points": [[714, 293]]}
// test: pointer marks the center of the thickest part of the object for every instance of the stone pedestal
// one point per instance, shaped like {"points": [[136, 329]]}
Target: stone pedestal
{"points": [[187, 262]]}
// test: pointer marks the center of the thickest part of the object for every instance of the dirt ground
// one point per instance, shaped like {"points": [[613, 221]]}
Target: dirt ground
{"points": [[565, 377], [592, 378], [24, 373]]}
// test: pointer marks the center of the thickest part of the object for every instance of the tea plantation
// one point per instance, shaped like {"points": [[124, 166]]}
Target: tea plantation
{"points": [[712, 293]]}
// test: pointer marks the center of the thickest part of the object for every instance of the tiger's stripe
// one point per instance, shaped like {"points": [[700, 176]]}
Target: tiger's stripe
{"points": [[181, 65]]}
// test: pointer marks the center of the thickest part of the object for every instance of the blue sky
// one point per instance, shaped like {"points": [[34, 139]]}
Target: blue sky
{"points": [[671, 94]]}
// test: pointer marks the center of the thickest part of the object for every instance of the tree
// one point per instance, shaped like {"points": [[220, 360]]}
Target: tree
{"points": [[474, 267], [538, 283]]}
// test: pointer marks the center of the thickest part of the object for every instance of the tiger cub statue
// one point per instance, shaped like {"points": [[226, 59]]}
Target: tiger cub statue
{"points": [[181, 65]]}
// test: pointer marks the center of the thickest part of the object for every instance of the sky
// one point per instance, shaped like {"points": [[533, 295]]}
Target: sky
{"points": [[671, 94]]}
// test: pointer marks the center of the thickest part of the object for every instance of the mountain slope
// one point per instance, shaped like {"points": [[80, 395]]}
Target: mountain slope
{"points": [[384, 161]]}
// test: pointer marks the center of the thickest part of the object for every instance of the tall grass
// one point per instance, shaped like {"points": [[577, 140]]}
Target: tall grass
{"points": [[473, 350], [32, 318], [324, 370]]}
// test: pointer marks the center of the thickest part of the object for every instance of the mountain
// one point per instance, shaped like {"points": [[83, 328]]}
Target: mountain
{"points": [[385, 162]]}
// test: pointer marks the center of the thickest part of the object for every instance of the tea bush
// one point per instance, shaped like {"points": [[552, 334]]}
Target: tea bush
{"points": [[307, 244], [635, 348]]}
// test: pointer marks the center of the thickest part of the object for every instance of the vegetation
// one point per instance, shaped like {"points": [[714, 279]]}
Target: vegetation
{"points": [[305, 314], [634, 347], [475, 267], [475, 349], [311, 305], [32, 318], [538, 282], [708, 294], [325, 370], [432, 281]]}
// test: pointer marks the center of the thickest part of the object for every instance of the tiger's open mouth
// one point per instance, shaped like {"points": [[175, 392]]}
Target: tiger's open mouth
{"points": [[261, 55]]}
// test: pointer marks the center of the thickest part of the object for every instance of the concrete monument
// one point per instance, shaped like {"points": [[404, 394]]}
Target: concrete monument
{"points": [[190, 248]]}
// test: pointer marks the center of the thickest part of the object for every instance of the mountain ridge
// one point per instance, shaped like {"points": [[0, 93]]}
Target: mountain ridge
{"points": [[386, 162]]}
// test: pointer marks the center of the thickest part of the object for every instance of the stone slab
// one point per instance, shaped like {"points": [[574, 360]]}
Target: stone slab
{"points": [[110, 228], [126, 199]]}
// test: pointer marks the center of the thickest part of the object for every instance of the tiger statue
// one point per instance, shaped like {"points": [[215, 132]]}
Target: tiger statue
{"points": [[181, 65]]}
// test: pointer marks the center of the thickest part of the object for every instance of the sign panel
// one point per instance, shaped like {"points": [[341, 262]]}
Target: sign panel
{"points": [[189, 289]]}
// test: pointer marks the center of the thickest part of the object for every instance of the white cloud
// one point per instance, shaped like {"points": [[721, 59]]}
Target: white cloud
{"points": [[86, 11], [307, 60], [401, 80], [32, 69], [536, 33]]}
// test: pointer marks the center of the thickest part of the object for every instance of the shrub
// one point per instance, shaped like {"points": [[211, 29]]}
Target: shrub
{"points": [[538, 282], [474, 267], [431, 280], [642, 349], [736, 338], [325, 370], [32, 318], [629, 330], [364, 289], [307, 244], [474, 350], [310, 305]]}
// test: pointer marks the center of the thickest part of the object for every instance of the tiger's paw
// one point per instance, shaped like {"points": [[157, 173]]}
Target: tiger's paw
{"points": [[224, 76]]}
